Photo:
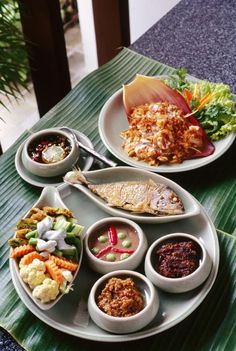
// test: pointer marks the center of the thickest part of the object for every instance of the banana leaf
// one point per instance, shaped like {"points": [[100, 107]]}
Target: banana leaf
{"points": [[212, 325]]}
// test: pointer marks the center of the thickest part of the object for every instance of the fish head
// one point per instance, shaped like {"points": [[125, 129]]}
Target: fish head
{"points": [[165, 202]]}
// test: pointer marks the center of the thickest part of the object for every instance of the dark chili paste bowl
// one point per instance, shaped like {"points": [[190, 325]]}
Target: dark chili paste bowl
{"points": [[177, 263], [123, 302], [49, 153], [114, 243]]}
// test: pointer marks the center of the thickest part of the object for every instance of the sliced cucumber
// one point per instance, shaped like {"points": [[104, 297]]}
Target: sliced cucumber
{"points": [[61, 218], [58, 253], [72, 220], [33, 241], [74, 240], [76, 230], [63, 225], [69, 252], [33, 234]]}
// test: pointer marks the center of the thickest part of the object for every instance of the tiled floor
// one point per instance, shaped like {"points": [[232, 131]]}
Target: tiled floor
{"points": [[23, 113]]}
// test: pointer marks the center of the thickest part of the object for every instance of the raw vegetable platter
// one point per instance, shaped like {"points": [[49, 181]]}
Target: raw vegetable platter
{"points": [[70, 313]]}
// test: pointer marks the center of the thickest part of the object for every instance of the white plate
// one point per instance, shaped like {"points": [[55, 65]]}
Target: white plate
{"points": [[113, 120], [85, 162], [127, 174], [70, 315]]}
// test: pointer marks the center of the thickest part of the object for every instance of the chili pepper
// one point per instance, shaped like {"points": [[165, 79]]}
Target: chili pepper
{"points": [[44, 142], [103, 251], [188, 94], [116, 249], [112, 235]]}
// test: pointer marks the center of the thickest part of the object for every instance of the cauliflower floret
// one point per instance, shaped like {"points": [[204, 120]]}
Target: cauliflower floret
{"points": [[37, 265], [67, 275], [34, 273], [47, 291]]}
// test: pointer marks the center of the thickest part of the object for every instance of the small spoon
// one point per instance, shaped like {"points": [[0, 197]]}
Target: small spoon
{"points": [[88, 149]]}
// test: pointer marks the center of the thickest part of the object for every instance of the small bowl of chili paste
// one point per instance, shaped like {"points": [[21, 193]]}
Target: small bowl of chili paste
{"points": [[123, 301], [177, 263], [114, 243], [49, 153]]}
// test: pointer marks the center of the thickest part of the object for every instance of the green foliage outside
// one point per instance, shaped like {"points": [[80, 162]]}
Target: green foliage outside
{"points": [[14, 69], [13, 57]]}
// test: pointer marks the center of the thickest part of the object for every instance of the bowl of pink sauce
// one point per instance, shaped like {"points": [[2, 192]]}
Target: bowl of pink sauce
{"points": [[114, 243]]}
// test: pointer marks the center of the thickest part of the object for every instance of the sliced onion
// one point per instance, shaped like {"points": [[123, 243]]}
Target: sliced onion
{"points": [[54, 235], [44, 225]]}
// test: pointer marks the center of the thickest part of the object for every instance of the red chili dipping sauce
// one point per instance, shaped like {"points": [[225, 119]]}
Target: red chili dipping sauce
{"points": [[114, 243], [50, 148], [120, 298], [178, 258]]}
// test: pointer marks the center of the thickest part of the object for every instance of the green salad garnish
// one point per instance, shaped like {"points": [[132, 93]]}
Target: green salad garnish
{"points": [[213, 103]]}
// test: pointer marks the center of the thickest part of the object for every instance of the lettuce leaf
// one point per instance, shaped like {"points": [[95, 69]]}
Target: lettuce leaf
{"points": [[218, 120], [218, 116]]}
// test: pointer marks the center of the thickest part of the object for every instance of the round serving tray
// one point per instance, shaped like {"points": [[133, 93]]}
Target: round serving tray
{"points": [[70, 314]]}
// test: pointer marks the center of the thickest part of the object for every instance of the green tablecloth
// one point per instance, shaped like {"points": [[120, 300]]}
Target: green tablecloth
{"points": [[214, 186]]}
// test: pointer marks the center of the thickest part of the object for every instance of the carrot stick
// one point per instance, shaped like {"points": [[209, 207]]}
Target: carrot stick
{"points": [[22, 250], [54, 271], [27, 259], [205, 100], [64, 263]]}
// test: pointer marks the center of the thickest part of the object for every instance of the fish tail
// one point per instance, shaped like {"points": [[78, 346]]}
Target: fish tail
{"points": [[76, 177], [80, 176]]}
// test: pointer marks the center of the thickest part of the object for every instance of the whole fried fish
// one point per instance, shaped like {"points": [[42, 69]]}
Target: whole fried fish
{"points": [[135, 196]]}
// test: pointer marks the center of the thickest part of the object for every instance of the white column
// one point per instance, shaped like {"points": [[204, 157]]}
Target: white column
{"points": [[142, 13], [86, 21], [145, 13]]}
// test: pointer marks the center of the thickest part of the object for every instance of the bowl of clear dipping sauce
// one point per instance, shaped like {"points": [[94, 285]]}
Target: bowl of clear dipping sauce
{"points": [[49, 153]]}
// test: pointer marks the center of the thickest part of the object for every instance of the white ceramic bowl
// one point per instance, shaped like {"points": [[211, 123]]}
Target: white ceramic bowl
{"points": [[132, 262], [51, 169], [183, 284], [123, 325]]}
